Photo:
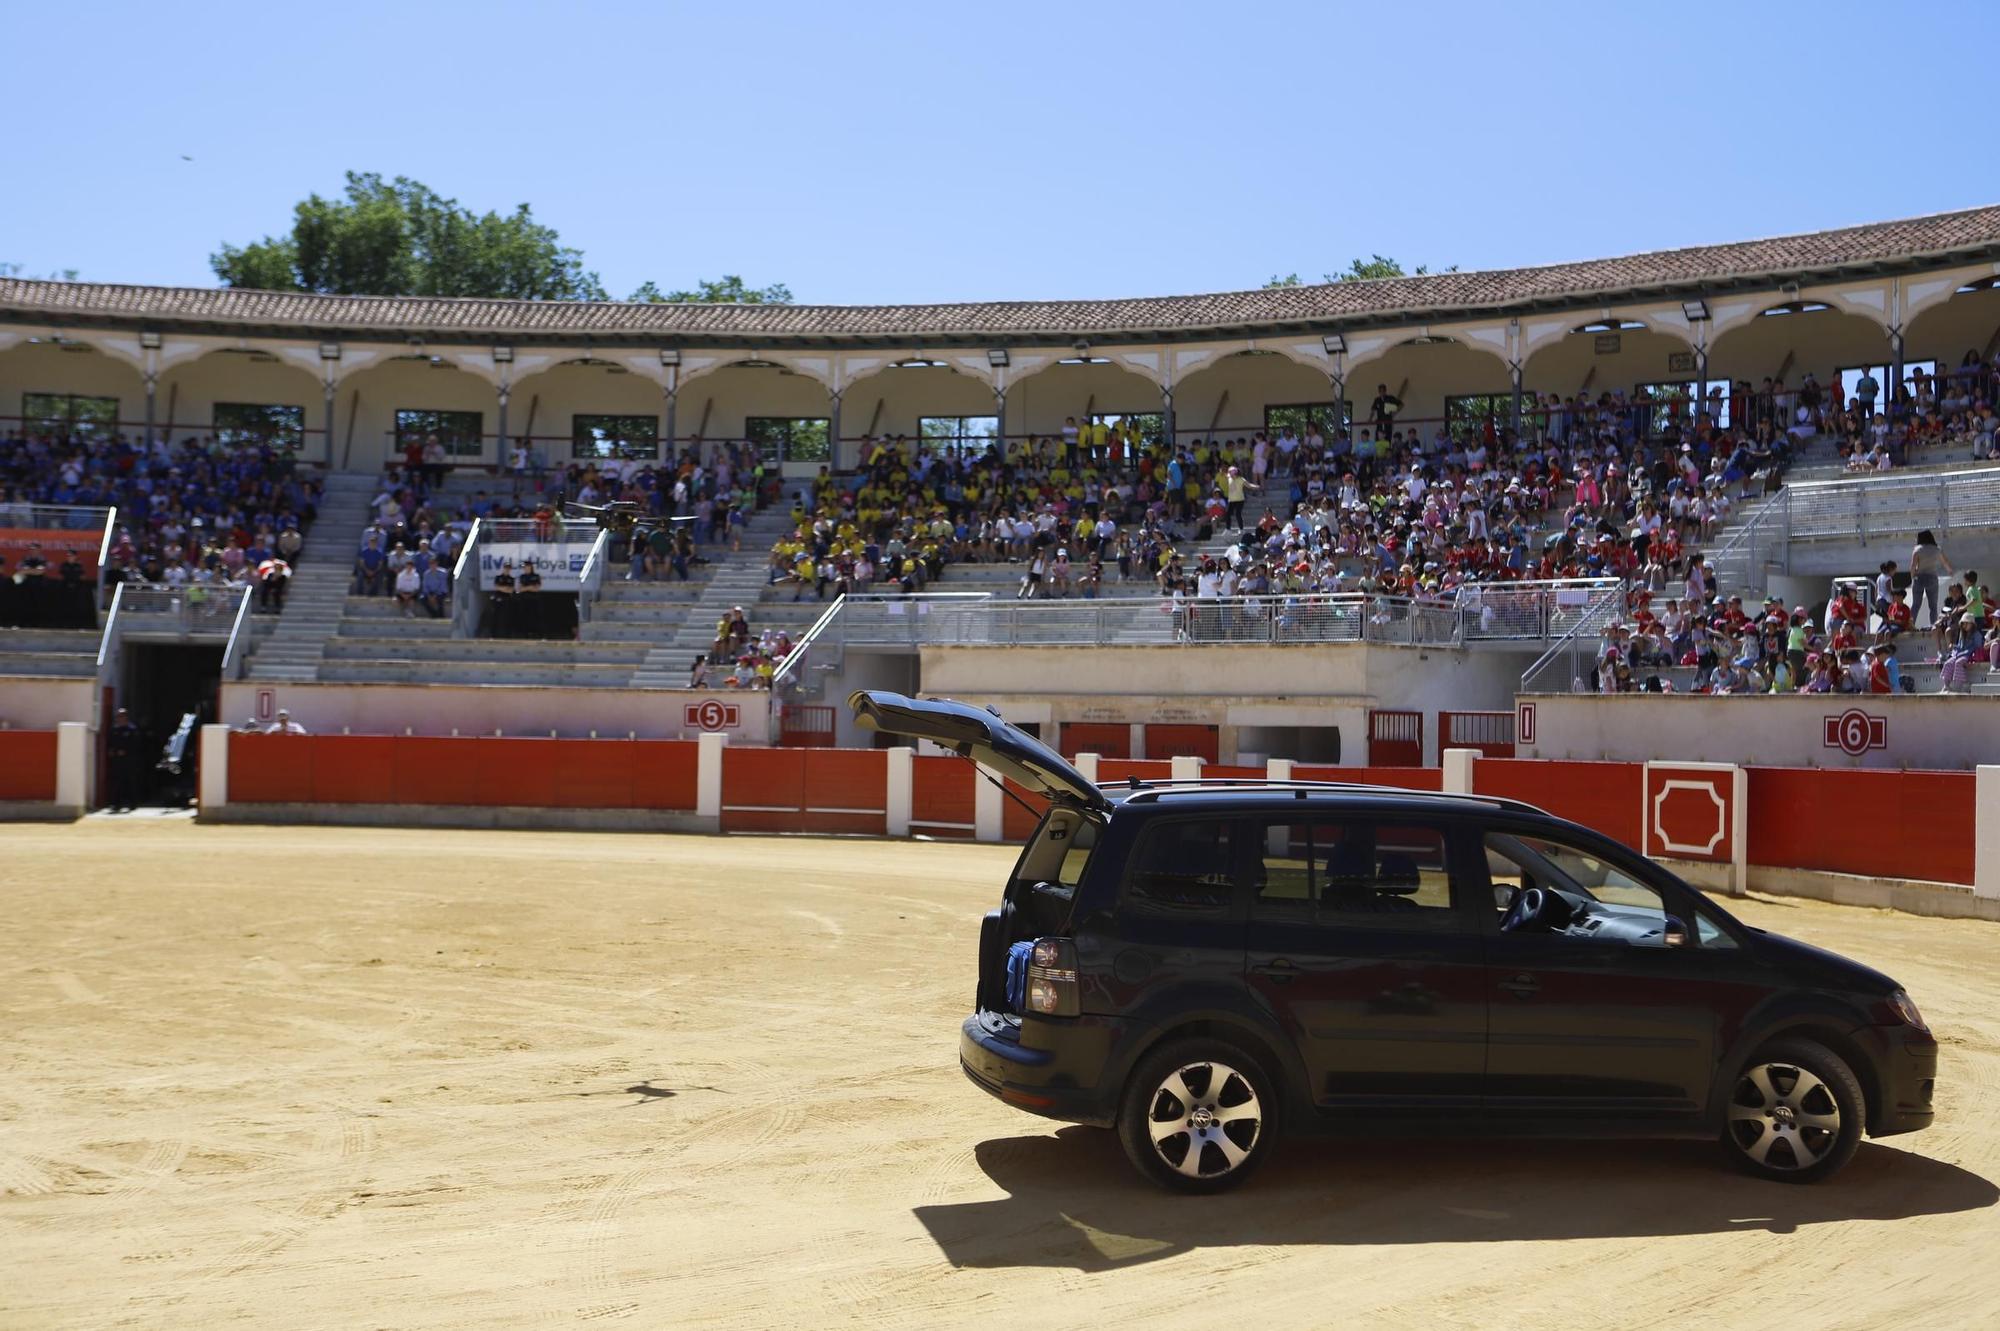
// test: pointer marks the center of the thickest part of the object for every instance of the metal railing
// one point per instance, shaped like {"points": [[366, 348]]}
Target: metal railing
{"points": [[466, 599], [819, 646], [1762, 542], [56, 517], [591, 581], [1525, 612], [1890, 507], [194, 608], [556, 530], [1567, 654], [238, 649]]}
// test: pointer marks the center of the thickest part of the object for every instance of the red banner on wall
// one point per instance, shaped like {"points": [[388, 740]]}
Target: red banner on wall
{"points": [[16, 542]]}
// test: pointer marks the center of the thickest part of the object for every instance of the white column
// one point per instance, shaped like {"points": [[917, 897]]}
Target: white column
{"points": [[1986, 832], [988, 811], [1458, 769], [901, 788], [1187, 769], [708, 774], [1086, 763], [1278, 769], [1135, 742], [74, 751], [214, 791]]}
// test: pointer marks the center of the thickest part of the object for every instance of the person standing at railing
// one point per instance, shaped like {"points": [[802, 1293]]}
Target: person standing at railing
{"points": [[1927, 560]]}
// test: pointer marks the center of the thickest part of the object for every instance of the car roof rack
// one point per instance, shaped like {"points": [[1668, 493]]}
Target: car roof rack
{"points": [[1151, 789]]}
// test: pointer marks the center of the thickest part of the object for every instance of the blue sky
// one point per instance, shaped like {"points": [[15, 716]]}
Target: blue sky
{"points": [[906, 152]]}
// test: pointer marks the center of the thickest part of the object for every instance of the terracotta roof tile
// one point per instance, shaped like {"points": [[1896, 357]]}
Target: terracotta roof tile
{"points": [[1886, 242]]}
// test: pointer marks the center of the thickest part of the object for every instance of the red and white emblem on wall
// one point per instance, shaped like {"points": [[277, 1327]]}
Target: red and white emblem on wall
{"points": [[1854, 732], [1524, 723], [1695, 811], [713, 714]]}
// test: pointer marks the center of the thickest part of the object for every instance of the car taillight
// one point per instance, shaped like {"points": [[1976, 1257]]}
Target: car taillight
{"points": [[1052, 989]]}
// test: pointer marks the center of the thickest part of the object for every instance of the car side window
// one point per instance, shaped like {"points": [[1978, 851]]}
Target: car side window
{"points": [[1596, 899], [1355, 873], [1184, 867]]}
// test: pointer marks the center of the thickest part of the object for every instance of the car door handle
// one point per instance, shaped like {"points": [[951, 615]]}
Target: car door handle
{"points": [[1522, 986], [1278, 969]]}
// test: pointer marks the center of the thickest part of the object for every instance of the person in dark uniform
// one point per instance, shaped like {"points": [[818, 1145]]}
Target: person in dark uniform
{"points": [[125, 751], [528, 610], [502, 618], [34, 591], [76, 610], [10, 597]]}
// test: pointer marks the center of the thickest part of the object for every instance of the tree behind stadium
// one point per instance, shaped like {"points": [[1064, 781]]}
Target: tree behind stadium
{"points": [[401, 238]]}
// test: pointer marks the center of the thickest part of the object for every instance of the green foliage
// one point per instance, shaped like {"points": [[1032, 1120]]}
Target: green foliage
{"points": [[59, 275], [401, 238], [1358, 270], [1379, 265], [726, 290]]}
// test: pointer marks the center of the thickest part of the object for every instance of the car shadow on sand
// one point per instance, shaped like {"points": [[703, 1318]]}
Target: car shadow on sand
{"points": [[1074, 1202]]}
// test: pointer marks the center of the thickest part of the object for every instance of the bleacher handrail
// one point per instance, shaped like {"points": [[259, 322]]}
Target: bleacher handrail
{"points": [[1570, 644], [591, 580], [56, 517], [239, 641], [465, 589]]}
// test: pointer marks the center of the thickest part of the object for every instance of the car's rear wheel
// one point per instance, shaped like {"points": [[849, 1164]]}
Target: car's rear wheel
{"points": [[1795, 1113], [1198, 1115]]}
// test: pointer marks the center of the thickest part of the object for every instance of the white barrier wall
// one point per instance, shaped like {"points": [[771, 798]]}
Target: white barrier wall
{"points": [[744, 715], [44, 704], [1799, 730]]}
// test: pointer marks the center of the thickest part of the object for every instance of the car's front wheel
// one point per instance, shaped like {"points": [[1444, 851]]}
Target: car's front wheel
{"points": [[1795, 1113], [1197, 1116]]}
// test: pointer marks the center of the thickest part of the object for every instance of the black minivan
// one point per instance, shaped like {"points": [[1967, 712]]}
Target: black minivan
{"points": [[1204, 965]]}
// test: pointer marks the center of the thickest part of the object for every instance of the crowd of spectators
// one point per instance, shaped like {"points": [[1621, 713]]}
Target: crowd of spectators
{"points": [[201, 513], [740, 657], [1857, 642]]}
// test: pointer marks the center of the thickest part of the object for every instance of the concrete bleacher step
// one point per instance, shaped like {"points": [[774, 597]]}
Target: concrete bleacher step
{"points": [[64, 653], [507, 673], [485, 650], [421, 626]]}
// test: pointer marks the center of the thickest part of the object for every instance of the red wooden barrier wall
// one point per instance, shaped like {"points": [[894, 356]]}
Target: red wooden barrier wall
{"points": [[462, 770], [1602, 796], [1017, 823], [1104, 739], [1883, 824], [1892, 824], [28, 765], [1164, 741], [1405, 778], [941, 795], [846, 790], [1146, 769]]}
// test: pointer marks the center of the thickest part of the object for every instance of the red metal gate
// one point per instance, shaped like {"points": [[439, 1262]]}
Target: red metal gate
{"points": [[1492, 733], [806, 725], [1395, 739], [1165, 741]]}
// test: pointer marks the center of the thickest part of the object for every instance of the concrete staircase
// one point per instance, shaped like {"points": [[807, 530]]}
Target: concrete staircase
{"points": [[68, 653], [733, 580], [318, 591]]}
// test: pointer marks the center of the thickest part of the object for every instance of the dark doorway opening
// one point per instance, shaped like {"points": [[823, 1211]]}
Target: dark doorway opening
{"points": [[163, 682]]}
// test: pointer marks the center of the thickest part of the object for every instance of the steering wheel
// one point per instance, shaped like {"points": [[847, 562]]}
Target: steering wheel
{"points": [[1527, 908]]}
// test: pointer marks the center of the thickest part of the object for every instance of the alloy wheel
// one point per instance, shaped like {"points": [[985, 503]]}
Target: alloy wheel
{"points": [[1783, 1117], [1204, 1119]]}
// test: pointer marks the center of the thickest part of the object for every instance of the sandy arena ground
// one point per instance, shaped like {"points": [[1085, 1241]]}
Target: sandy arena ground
{"points": [[333, 1078]]}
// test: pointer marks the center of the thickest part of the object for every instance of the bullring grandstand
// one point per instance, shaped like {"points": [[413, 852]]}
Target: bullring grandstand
{"points": [[1352, 526]]}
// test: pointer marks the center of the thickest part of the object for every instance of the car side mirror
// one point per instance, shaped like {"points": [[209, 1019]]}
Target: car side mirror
{"points": [[1675, 934]]}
